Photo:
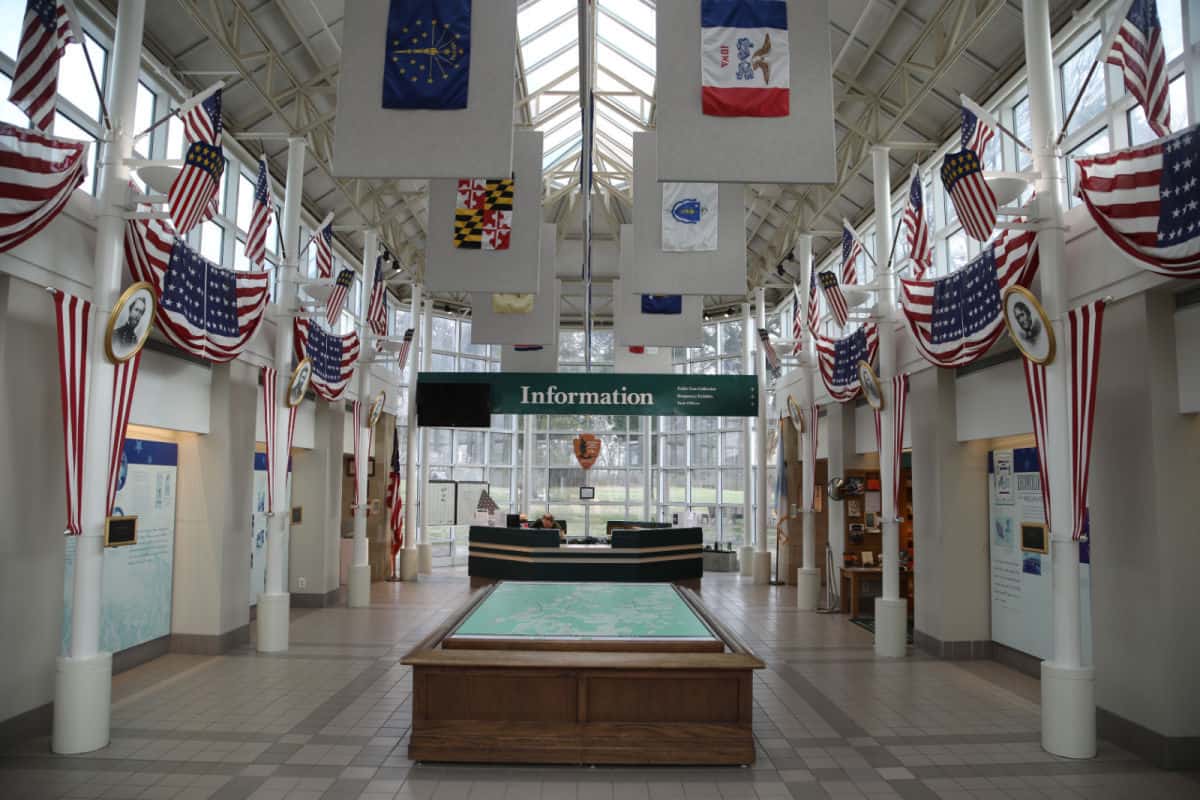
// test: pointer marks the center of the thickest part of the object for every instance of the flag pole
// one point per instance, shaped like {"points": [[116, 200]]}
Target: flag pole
{"points": [[73, 16], [185, 107], [1101, 55]]}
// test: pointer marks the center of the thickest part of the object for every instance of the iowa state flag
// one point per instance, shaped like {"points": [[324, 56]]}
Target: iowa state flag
{"points": [[744, 65], [428, 54]]}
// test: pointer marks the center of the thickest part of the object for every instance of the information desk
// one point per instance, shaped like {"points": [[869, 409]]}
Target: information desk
{"points": [[634, 556], [582, 673]]}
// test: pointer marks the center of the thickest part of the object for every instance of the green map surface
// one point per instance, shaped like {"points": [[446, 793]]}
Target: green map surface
{"points": [[584, 611]]}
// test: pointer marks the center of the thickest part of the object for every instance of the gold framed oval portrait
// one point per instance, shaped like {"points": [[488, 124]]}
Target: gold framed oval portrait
{"points": [[869, 381], [130, 322], [1028, 325], [795, 413], [376, 409], [298, 383]]}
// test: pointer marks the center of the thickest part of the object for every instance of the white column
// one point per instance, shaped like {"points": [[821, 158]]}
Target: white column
{"points": [[274, 604], [527, 466], [891, 611], [83, 686], [424, 546], [762, 557], [746, 553], [408, 556], [359, 594], [647, 428], [1068, 688], [808, 576]]}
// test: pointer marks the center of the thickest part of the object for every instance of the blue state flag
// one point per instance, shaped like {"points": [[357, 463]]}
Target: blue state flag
{"points": [[428, 54], [662, 304]]}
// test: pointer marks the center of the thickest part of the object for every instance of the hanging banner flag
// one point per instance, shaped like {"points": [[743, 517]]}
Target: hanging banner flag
{"points": [[810, 466], [124, 382], [483, 213], [337, 298], [916, 228], [377, 306], [202, 122], [772, 358], [899, 402], [662, 304], [427, 58], [333, 357], [1144, 200], [270, 409], [38, 173], [72, 316], [506, 303], [196, 185], [962, 175], [402, 358], [357, 407], [689, 217], [260, 220], [46, 31], [813, 312], [744, 65], [1137, 48], [851, 249], [395, 501], [838, 360], [834, 297], [324, 247]]}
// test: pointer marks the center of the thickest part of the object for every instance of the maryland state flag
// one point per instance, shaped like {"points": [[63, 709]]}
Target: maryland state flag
{"points": [[428, 54], [483, 213]]}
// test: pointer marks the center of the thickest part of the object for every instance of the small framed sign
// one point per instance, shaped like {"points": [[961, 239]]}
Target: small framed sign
{"points": [[120, 531], [297, 515], [795, 413], [871, 389], [376, 409], [129, 323], [1033, 537], [298, 383], [587, 492], [1028, 325]]}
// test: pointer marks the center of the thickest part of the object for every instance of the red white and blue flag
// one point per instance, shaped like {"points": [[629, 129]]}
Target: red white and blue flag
{"points": [[402, 359], [838, 360], [916, 227], [377, 306], [203, 309], [797, 321], [124, 382], [333, 357], [773, 364], [1145, 200], [1137, 48], [851, 250], [72, 316], [744, 65], [38, 173], [337, 298], [324, 240], [395, 502], [955, 319], [195, 187], [45, 33], [962, 175], [813, 313], [260, 218], [202, 122], [834, 297]]}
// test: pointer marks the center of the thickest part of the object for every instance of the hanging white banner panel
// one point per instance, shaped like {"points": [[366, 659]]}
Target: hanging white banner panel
{"points": [[633, 327], [538, 326], [371, 141], [656, 271], [487, 260], [795, 148]]}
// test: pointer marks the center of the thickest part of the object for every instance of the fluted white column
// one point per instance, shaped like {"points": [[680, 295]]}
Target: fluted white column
{"points": [[359, 579]]}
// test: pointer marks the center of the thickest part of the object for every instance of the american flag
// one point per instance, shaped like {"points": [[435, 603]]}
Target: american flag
{"points": [[357, 407], [195, 187], [45, 34], [916, 227], [962, 175], [394, 501], [1035, 387], [202, 122], [810, 466], [977, 124], [377, 307], [1145, 199], [38, 173], [337, 298], [270, 410], [203, 309], [851, 250], [1137, 49], [797, 321], [814, 310], [896, 408], [260, 219], [72, 315], [124, 381], [838, 360], [955, 319], [324, 240], [404, 348], [833, 295], [768, 350], [333, 357]]}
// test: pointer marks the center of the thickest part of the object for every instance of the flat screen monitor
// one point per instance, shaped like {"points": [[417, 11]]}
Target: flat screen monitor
{"points": [[454, 405], [512, 521]]}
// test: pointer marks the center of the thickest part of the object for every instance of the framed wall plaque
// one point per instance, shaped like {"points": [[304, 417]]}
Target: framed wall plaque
{"points": [[298, 383], [129, 323], [120, 531], [871, 389], [376, 409], [796, 414], [1028, 325], [1033, 537]]}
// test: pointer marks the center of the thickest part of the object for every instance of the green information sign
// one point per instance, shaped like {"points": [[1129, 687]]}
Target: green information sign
{"points": [[637, 394]]}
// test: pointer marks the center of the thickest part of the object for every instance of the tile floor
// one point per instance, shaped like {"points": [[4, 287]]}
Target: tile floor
{"points": [[329, 720]]}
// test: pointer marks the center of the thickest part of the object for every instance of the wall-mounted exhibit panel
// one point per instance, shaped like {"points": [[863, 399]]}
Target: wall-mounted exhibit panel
{"points": [[632, 326], [371, 141], [497, 320], [655, 271], [796, 148], [508, 262]]}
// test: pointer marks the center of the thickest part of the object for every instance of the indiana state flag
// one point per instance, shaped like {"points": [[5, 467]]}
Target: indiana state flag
{"points": [[744, 67], [428, 54], [689, 217]]}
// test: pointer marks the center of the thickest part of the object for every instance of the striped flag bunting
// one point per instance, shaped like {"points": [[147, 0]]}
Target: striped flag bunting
{"points": [[962, 175], [1035, 388], [813, 313], [851, 249], [837, 360], [404, 348], [957, 318], [896, 409], [203, 309], [45, 33], [916, 227], [260, 218], [358, 424], [797, 321], [72, 316], [324, 240], [1144, 200], [1137, 48], [395, 502], [337, 298], [38, 173], [377, 306], [202, 122], [270, 409], [834, 297], [124, 382], [195, 187], [814, 440], [878, 431], [772, 357], [333, 357]]}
